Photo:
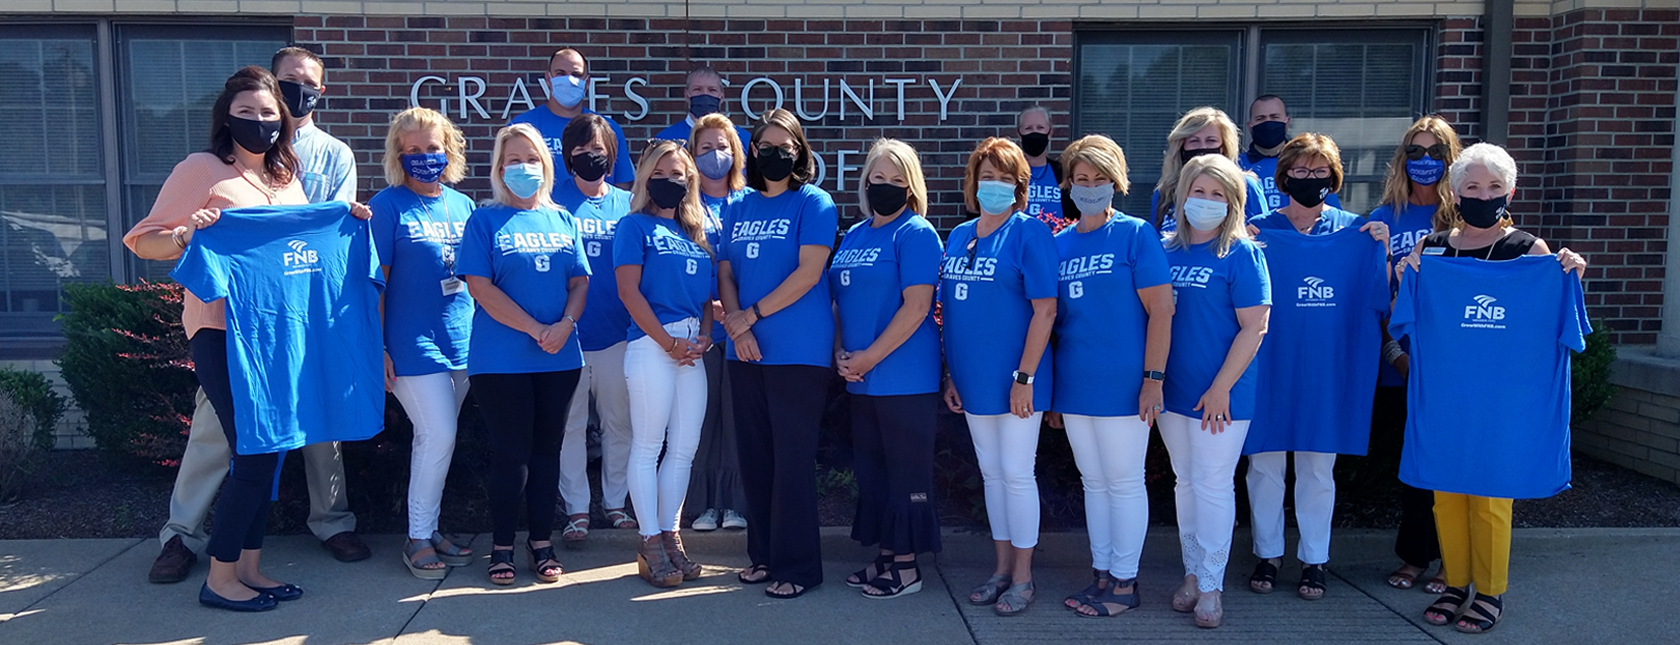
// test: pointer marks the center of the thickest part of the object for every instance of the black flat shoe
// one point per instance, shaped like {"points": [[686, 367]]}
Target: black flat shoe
{"points": [[263, 601], [282, 593]]}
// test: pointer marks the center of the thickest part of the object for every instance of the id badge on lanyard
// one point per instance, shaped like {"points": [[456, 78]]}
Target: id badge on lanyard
{"points": [[452, 284]]}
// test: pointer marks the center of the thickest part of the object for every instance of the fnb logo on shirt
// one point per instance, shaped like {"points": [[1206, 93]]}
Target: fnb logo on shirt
{"points": [[1484, 314], [1315, 293], [299, 255]]}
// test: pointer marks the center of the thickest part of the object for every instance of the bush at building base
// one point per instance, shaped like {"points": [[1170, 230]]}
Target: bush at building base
{"points": [[127, 362]]}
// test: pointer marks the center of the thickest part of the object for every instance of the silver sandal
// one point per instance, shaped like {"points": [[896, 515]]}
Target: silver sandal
{"points": [[988, 591], [1015, 600], [450, 553]]}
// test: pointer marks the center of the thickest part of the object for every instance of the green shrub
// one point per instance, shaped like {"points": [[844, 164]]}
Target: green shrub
{"points": [[19, 453], [34, 393], [1589, 377]]}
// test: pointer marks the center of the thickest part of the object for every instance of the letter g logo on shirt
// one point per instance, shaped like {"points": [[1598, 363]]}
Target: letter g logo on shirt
{"points": [[752, 250], [541, 263]]}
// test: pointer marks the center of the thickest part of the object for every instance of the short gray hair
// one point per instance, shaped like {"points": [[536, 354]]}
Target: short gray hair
{"points": [[701, 70], [1494, 158], [1019, 118]]}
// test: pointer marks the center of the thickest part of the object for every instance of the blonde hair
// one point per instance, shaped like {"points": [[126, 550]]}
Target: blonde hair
{"points": [[419, 119], [1008, 159], [905, 159], [736, 179], [1100, 153], [1232, 181], [1304, 147], [690, 213], [1189, 124], [498, 188], [1397, 188]]}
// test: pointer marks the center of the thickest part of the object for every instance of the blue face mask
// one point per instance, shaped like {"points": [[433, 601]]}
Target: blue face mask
{"points": [[1426, 170], [568, 90], [425, 167], [523, 179], [716, 164], [995, 197], [703, 104], [1205, 214]]}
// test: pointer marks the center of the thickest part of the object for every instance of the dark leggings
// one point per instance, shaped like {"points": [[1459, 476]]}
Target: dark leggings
{"points": [[778, 415], [892, 439], [242, 506], [526, 417], [1415, 542]]}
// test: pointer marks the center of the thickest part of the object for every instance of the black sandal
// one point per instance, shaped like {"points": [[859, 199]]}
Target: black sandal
{"points": [[860, 578], [798, 590], [1099, 584], [1476, 619], [760, 575], [501, 561], [897, 587], [1445, 609], [543, 561], [1099, 603], [1312, 579], [1265, 572]]}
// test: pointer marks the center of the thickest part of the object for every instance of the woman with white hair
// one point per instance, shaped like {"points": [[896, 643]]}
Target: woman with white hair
{"points": [[1223, 299], [1202, 131], [518, 255], [1475, 531]]}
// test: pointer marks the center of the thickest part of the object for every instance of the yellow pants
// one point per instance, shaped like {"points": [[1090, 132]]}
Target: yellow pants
{"points": [[1475, 535]]}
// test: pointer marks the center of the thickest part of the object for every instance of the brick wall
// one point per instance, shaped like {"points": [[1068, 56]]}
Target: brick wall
{"points": [[1640, 428]]}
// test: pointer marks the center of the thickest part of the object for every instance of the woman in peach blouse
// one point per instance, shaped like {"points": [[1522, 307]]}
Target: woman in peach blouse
{"points": [[250, 162]]}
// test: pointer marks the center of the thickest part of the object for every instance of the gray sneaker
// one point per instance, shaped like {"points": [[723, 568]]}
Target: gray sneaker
{"points": [[733, 520], [708, 521]]}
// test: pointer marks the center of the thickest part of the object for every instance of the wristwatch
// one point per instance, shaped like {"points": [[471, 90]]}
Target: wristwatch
{"points": [[1154, 375], [1023, 378]]}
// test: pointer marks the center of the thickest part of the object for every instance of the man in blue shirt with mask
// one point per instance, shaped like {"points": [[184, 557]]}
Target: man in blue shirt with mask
{"points": [[1268, 130], [704, 92], [328, 167], [567, 83]]}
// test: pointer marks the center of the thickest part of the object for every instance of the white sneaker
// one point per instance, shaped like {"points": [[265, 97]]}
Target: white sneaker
{"points": [[733, 520], [708, 521]]}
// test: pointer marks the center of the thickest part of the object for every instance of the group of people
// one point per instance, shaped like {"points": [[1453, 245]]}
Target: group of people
{"points": [[700, 299]]}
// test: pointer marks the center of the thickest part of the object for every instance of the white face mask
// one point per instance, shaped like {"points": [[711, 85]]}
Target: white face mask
{"points": [[1092, 200], [1205, 214]]}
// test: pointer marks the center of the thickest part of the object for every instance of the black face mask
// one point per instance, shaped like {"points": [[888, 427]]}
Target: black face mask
{"points": [[886, 199], [774, 163], [1184, 156], [1482, 213], [1308, 192], [590, 166], [300, 98], [254, 136], [666, 192], [703, 104], [1269, 134], [1035, 144]]}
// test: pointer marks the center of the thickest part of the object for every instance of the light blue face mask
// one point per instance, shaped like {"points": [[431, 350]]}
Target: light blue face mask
{"points": [[568, 90], [523, 179], [995, 197], [1204, 214]]}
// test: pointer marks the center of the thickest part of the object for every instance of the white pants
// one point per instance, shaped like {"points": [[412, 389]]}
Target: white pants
{"points": [[1110, 452], [667, 409], [1315, 500], [1205, 465], [433, 403], [1007, 446], [603, 374]]}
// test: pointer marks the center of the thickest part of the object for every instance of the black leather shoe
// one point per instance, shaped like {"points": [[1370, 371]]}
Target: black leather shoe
{"points": [[282, 593], [346, 547], [263, 601], [173, 563]]}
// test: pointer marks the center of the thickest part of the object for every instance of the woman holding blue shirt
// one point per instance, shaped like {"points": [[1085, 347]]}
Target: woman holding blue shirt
{"points": [[417, 227], [998, 293], [665, 272], [883, 278], [1113, 327], [596, 206], [1202, 131], [1223, 298], [775, 245], [714, 489], [518, 256]]}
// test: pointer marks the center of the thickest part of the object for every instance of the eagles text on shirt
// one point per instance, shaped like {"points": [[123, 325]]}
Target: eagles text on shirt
{"points": [[597, 235], [1076, 269], [1190, 276], [754, 232], [544, 244]]}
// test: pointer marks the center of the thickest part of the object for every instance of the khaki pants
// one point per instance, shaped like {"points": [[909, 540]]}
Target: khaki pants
{"points": [[205, 464]]}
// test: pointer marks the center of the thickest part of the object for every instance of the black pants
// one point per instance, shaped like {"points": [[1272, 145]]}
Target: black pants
{"points": [[242, 506], [892, 440], [778, 413], [716, 480], [1415, 542], [526, 417]]}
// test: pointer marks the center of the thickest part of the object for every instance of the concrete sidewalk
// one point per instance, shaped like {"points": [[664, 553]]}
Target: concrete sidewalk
{"points": [[1569, 586]]}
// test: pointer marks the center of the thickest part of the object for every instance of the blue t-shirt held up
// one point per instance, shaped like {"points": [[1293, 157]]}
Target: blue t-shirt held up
{"points": [[428, 323], [1332, 219], [530, 255], [551, 125], [1488, 396], [604, 316], [1101, 324], [1404, 234], [677, 275], [761, 240], [871, 269], [986, 294], [302, 287], [1315, 374], [1208, 291]]}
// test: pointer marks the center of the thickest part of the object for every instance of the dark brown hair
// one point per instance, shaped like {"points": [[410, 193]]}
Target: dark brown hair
{"points": [[580, 131], [804, 166], [280, 161], [288, 52]]}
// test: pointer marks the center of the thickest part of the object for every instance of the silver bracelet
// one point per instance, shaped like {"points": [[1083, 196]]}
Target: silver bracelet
{"points": [[1392, 351]]}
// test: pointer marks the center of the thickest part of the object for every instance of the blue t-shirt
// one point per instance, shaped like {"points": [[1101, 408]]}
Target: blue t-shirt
{"points": [[1488, 394], [760, 241], [530, 255], [1404, 234], [426, 330], [714, 235], [871, 269], [680, 130], [1100, 322], [1315, 373], [326, 166], [677, 275], [551, 125], [302, 287], [987, 305], [1266, 169], [1331, 220], [1208, 291], [1253, 204], [1044, 197], [604, 316]]}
